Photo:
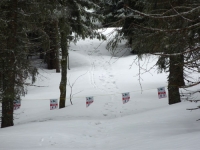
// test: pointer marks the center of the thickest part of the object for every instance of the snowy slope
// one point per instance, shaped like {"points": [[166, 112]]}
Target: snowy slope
{"points": [[144, 123]]}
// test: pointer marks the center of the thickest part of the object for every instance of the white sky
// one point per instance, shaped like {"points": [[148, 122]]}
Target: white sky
{"points": [[144, 123]]}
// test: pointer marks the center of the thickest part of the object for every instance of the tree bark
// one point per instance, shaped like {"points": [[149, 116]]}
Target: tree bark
{"points": [[56, 44], [9, 67], [175, 79], [64, 31], [50, 54]]}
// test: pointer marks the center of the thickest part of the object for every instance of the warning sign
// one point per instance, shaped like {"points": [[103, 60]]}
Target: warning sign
{"points": [[89, 100], [125, 97], [162, 92], [17, 104], [53, 104]]}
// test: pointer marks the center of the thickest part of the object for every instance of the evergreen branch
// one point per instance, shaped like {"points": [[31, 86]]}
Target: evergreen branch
{"points": [[180, 14], [193, 60], [160, 16], [177, 7], [191, 85], [181, 53], [167, 30], [191, 93]]}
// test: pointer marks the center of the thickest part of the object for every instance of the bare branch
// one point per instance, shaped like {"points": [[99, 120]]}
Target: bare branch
{"points": [[139, 75], [181, 53], [160, 16], [71, 87]]}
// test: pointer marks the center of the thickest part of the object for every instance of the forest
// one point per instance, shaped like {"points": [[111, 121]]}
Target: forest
{"points": [[169, 29]]}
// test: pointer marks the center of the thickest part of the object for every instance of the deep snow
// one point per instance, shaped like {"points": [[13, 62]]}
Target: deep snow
{"points": [[144, 123]]}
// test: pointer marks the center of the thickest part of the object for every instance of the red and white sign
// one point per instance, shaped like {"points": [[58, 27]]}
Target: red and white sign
{"points": [[17, 104], [89, 100], [161, 92], [53, 104], [125, 97]]}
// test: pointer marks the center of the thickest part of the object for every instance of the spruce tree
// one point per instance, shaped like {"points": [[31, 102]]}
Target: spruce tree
{"points": [[168, 29], [14, 66], [172, 37]]}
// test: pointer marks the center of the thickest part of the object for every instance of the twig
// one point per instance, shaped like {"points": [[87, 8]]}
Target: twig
{"points": [[161, 16], [71, 87], [139, 75], [180, 14]]}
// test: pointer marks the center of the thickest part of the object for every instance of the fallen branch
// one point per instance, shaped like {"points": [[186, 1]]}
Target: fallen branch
{"points": [[193, 108], [28, 84]]}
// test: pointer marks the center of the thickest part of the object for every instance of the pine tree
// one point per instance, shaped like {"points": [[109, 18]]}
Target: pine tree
{"points": [[173, 39], [165, 28], [14, 67], [112, 10]]}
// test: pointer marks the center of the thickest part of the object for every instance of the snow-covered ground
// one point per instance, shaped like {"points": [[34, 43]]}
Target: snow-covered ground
{"points": [[144, 123]]}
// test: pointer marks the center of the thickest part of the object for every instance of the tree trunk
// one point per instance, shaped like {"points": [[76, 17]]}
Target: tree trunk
{"points": [[64, 49], [56, 45], [180, 70], [175, 79], [52, 56], [50, 53], [8, 90], [9, 67]]}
